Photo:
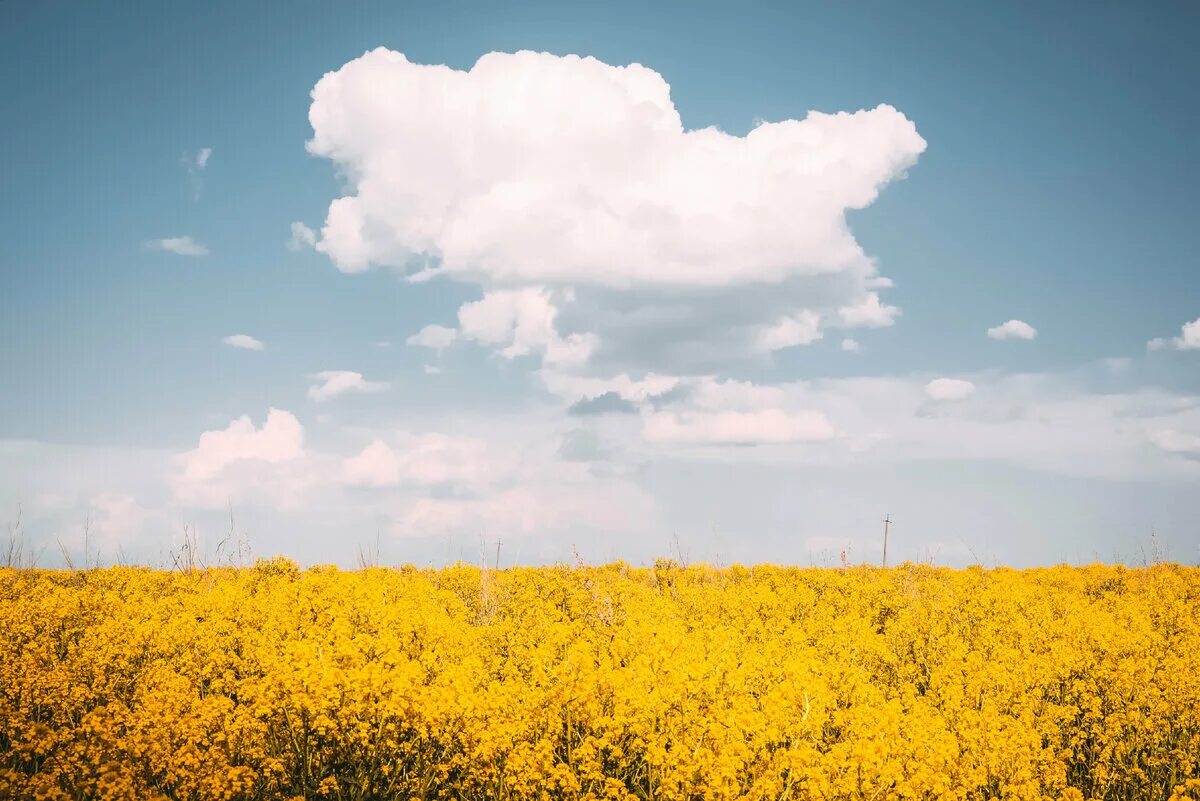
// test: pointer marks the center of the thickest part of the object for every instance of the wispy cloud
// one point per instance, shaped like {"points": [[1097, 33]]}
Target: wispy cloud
{"points": [[339, 382], [179, 245], [435, 337], [195, 164], [302, 237]]}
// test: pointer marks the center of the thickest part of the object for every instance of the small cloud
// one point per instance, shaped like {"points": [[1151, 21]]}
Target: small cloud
{"points": [[435, 337], [202, 156], [1188, 339], [608, 403], [179, 245], [1013, 329], [851, 345], [870, 313], [949, 389], [383, 343], [801, 328], [243, 341], [339, 382], [432, 369], [302, 237]]}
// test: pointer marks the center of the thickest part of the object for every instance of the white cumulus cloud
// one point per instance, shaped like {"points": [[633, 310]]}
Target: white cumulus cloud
{"points": [[573, 186], [1013, 329], [243, 341], [280, 438], [499, 185], [228, 460], [851, 345], [338, 382]]}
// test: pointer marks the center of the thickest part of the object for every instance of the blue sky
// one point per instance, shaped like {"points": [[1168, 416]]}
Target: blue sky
{"points": [[1045, 175]]}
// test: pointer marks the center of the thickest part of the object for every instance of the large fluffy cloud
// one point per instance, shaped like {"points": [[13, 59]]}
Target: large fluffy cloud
{"points": [[532, 167], [533, 174]]}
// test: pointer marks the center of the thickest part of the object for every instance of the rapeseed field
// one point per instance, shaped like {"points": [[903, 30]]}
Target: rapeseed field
{"points": [[610, 682]]}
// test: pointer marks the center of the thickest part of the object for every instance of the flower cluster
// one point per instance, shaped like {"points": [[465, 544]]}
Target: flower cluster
{"points": [[610, 682]]}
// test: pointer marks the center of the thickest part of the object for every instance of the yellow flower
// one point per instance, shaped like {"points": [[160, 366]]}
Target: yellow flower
{"points": [[607, 682]]}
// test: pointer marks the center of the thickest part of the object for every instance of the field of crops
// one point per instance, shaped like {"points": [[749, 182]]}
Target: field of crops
{"points": [[600, 682]]}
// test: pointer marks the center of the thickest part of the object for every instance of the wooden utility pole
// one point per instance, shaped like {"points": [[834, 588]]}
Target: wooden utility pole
{"points": [[887, 522]]}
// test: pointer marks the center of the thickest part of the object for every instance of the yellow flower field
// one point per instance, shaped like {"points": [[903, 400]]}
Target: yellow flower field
{"points": [[600, 682]]}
